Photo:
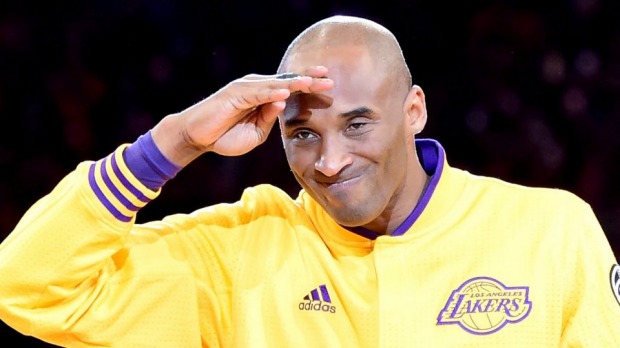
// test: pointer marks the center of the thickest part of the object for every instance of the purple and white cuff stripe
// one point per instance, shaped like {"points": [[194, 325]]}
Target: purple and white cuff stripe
{"points": [[129, 178]]}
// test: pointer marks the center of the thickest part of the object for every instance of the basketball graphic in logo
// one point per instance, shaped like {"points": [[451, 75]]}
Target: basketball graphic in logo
{"points": [[489, 320]]}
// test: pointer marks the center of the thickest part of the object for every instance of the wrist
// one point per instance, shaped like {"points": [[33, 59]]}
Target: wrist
{"points": [[148, 164], [174, 143]]}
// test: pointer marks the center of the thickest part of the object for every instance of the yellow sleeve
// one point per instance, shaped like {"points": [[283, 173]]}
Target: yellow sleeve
{"points": [[592, 311], [68, 276]]}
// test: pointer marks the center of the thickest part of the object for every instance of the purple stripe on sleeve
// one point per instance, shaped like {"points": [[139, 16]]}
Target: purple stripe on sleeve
{"points": [[137, 193], [114, 189], [148, 164], [102, 198]]}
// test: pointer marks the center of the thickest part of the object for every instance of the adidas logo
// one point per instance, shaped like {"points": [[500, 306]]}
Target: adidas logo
{"points": [[317, 300]]}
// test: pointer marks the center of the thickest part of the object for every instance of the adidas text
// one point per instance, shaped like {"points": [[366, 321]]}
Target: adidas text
{"points": [[316, 306]]}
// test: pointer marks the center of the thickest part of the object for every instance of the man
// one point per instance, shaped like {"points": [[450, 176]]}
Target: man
{"points": [[386, 245]]}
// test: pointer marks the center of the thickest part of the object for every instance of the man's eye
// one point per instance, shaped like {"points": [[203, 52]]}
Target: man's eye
{"points": [[303, 135], [356, 126]]}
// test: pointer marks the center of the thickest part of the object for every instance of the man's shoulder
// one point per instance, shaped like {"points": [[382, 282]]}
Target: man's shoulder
{"points": [[267, 192], [514, 191], [269, 198]]}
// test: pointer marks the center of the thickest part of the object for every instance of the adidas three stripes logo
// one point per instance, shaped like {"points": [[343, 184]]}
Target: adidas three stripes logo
{"points": [[317, 300]]}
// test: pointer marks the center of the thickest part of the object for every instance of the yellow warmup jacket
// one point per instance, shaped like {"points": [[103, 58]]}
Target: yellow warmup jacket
{"points": [[480, 263]]}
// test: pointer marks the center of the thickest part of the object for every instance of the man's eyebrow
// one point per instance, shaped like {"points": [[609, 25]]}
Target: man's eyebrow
{"points": [[295, 121], [359, 111]]}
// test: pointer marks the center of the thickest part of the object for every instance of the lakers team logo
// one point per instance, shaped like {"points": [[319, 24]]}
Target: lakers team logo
{"points": [[614, 277], [483, 305]]}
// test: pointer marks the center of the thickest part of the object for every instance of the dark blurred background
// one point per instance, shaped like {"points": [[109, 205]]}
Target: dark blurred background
{"points": [[528, 91]]}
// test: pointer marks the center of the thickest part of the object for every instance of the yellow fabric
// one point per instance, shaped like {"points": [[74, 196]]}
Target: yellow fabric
{"points": [[236, 275]]}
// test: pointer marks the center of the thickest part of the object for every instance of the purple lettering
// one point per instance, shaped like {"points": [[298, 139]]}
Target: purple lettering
{"points": [[477, 307], [503, 303], [456, 307], [489, 305]]}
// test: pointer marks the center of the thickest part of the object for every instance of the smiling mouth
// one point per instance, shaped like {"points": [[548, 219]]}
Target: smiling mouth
{"points": [[340, 184]]}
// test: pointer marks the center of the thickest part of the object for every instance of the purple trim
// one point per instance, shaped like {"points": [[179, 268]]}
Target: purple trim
{"points": [[114, 189], [364, 232], [148, 164], [137, 193], [432, 156], [102, 198], [325, 294]]}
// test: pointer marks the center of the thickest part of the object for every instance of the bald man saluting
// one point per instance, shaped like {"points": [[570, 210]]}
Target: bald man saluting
{"points": [[386, 245]]}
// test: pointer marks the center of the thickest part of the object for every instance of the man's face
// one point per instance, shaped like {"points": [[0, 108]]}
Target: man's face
{"points": [[348, 147]]}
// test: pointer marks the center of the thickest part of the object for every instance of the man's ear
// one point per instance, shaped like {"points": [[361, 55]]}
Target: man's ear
{"points": [[415, 110]]}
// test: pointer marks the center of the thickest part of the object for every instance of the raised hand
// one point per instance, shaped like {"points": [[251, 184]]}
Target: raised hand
{"points": [[236, 118]]}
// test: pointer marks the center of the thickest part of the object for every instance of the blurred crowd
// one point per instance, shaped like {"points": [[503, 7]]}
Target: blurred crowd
{"points": [[528, 91]]}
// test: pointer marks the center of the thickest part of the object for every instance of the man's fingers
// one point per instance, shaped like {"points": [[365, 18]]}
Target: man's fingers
{"points": [[313, 79], [255, 90], [287, 76], [316, 71], [318, 82], [269, 113], [249, 97]]}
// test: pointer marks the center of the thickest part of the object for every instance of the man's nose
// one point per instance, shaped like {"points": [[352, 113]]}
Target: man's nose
{"points": [[334, 155]]}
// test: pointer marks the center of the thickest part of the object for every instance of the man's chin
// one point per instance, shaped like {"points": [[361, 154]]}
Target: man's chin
{"points": [[344, 210], [348, 217]]}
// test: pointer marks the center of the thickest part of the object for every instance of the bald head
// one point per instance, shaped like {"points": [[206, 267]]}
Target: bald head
{"points": [[337, 31]]}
